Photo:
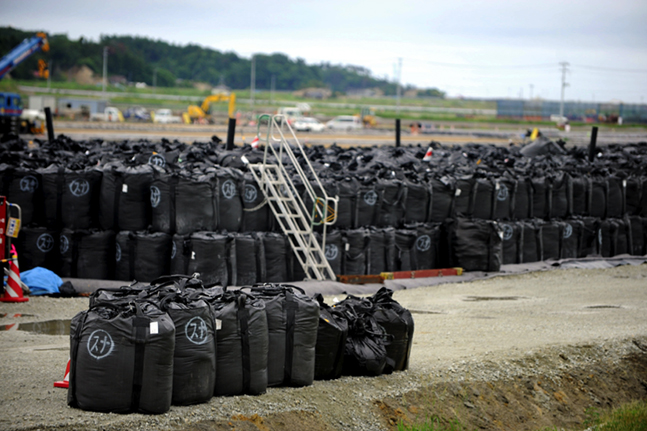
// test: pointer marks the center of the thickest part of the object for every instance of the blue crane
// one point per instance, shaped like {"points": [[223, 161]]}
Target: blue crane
{"points": [[26, 48]]}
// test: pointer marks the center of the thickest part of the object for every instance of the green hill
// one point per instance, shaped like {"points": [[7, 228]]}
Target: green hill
{"points": [[136, 58]]}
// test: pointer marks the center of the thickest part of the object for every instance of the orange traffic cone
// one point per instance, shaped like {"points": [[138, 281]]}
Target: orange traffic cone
{"points": [[13, 290], [428, 155], [65, 383], [255, 142]]}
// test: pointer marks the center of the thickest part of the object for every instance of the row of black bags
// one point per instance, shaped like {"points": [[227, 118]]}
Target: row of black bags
{"points": [[259, 257], [121, 197], [180, 188], [142, 348]]}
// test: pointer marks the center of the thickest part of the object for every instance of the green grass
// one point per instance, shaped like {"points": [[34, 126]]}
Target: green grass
{"points": [[630, 417]]}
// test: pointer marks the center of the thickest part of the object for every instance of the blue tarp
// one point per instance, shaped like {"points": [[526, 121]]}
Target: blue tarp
{"points": [[41, 281]]}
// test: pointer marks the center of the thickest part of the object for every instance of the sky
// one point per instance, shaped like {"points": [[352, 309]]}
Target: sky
{"points": [[469, 48]]}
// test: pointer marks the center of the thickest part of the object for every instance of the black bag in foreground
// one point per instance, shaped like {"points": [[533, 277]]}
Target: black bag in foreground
{"points": [[194, 369], [331, 339], [121, 358], [398, 323], [292, 320], [242, 344], [365, 349]]}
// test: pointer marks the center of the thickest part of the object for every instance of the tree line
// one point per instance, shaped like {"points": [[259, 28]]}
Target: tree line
{"points": [[139, 59]]}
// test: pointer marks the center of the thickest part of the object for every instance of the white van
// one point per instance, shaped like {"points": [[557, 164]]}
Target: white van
{"points": [[291, 113], [345, 122]]}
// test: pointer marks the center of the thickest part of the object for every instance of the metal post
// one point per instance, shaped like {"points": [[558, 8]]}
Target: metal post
{"points": [[252, 85], [565, 84], [594, 138], [50, 124], [397, 132], [231, 132], [105, 68]]}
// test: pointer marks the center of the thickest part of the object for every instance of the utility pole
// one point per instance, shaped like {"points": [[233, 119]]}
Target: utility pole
{"points": [[531, 87], [252, 86], [272, 89], [398, 89], [565, 84], [105, 68]]}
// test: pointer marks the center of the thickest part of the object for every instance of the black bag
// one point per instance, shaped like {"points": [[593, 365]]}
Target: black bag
{"points": [[331, 339], [242, 260], [355, 250], [443, 192], [38, 246], [71, 197], [205, 253], [511, 242], [273, 250], [292, 320], [194, 367], [475, 244], [125, 196], [121, 358], [365, 349], [142, 255], [86, 254], [531, 249], [242, 344], [256, 211], [22, 187], [229, 195], [398, 324]]}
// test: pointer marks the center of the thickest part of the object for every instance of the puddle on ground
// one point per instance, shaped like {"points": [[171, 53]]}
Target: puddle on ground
{"points": [[603, 306], [48, 327], [492, 298]]}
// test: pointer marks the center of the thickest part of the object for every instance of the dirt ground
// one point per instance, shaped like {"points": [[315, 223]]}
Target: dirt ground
{"points": [[515, 353]]}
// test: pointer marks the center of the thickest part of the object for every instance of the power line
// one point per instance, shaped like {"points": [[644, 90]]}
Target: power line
{"points": [[610, 69], [483, 66]]}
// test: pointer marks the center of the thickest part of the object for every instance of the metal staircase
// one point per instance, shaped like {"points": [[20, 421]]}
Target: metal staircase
{"points": [[295, 218]]}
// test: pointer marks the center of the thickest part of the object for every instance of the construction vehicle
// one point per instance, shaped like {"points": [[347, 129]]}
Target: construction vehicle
{"points": [[200, 114], [367, 115], [11, 109]]}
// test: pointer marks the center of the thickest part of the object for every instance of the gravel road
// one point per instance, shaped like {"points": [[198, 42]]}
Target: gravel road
{"points": [[486, 330]]}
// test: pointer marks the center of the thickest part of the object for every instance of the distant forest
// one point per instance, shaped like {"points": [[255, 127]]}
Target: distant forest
{"points": [[136, 58]]}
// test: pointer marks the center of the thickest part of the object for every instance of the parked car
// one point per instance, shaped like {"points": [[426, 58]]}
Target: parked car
{"points": [[345, 122], [110, 114], [308, 124], [165, 116], [137, 113]]}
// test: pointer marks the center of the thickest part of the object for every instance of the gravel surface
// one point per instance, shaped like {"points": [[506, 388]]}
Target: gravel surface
{"points": [[486, 330]]}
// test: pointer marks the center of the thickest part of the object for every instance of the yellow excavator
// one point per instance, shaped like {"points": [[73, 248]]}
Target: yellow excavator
{"points": [[198, 114], [367, 116]]}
